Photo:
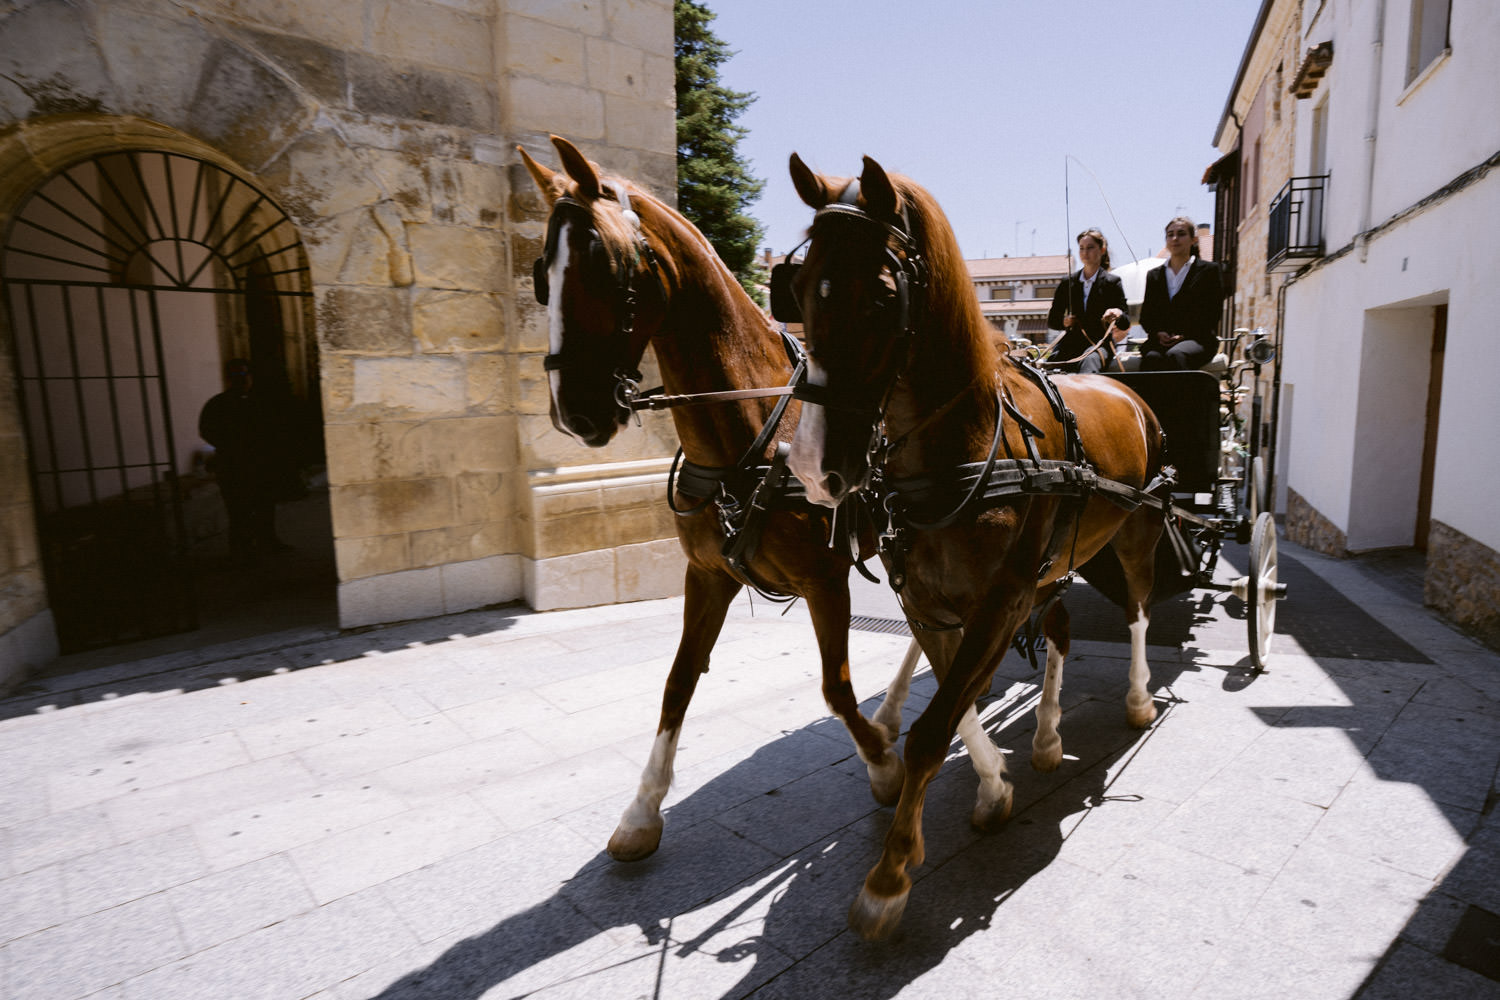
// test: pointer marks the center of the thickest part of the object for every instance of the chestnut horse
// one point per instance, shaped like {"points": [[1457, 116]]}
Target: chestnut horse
{"points": [[906, 381], [621, 269]]}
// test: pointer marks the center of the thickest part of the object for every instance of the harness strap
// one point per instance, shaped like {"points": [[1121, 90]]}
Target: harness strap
{"points": [[1025, 639], [741, 545], [1006, 479], [985, 468]]}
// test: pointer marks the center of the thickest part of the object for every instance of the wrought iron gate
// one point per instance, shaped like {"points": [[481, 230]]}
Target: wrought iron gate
{"points": [[128, 278]]}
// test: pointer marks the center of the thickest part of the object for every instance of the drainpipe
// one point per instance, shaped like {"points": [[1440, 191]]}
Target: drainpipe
{"points": [[1372, 118]]}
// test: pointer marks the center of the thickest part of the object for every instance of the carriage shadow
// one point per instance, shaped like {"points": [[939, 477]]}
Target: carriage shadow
{"points": [[727, 909]]}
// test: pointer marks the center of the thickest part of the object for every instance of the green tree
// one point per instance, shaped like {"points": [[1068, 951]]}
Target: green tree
{"points": [[714, 183]]}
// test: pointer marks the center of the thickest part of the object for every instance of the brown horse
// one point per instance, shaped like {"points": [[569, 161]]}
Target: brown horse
{"points": [[907, 383], [621, 269]]}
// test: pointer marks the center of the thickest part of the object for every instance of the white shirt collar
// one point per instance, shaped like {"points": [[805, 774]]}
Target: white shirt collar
{"points": [[1176, 278]]}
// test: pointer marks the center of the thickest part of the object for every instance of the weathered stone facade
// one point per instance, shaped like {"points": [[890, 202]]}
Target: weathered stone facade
{"points": [[1463, 581], [385, 130], [1310, 529], [1267, 153]]}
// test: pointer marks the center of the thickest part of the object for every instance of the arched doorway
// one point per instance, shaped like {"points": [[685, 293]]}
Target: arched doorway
{"points": [[129, 279]]}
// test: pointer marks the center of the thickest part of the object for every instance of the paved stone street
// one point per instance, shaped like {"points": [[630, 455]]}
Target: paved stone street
{"points": [[420, 812]]}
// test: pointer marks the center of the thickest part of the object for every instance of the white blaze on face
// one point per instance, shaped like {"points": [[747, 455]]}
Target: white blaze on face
{"points": [[555, 275], [806, 458]]}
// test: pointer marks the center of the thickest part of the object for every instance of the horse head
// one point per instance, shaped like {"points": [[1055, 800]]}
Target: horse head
{"points": [[859, 290], [597, 275]]}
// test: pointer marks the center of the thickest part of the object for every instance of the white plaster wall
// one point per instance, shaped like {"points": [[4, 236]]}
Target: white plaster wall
{"points": [[1367, 324], [1438, 115], [1466, 481], [1389, 429], [1365, 320], [1323, 322], [1444, 116]]}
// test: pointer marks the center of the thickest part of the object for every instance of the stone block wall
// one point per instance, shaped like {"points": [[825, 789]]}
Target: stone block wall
{"points": [[386, 130], [1463, 581], [1309, 528]]}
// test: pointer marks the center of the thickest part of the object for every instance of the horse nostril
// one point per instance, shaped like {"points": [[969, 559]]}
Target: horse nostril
{"points": [[834, 483]]}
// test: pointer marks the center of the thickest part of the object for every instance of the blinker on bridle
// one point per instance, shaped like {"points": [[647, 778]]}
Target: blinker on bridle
{"points": [[600, 264], [904, 262]]}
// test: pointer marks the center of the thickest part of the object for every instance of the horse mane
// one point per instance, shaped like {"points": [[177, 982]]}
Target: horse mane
{"points": [[619, 237], [716, 309], [952, 307]]}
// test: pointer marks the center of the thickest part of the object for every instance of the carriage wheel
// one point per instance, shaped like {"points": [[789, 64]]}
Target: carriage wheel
{"points": [[1257, 496], [1263, 590]]}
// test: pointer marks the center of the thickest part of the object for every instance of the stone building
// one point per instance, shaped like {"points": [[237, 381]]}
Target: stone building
{"points": [[331, 190]]}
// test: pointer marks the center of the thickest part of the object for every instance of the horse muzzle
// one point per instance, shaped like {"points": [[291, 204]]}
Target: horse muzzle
{"points": [[828, 475], [595, 424]]}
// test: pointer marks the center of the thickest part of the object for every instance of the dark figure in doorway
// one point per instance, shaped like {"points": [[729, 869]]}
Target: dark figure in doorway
{"points": [[249, 460]]}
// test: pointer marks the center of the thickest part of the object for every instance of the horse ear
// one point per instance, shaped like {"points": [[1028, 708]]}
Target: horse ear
{"points": [[578, 167], [545, 178], [877, 190], [810, 186]]}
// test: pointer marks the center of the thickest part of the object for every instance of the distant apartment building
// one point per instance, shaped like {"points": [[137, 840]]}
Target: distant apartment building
{"points": [[1016, 292]]}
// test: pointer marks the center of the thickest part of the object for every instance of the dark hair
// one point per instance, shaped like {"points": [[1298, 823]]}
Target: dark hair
{"points": [[1103, 245], [1192, 227]]}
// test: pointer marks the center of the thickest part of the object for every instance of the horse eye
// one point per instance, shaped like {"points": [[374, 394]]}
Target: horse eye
{"points": [[824, 288]]}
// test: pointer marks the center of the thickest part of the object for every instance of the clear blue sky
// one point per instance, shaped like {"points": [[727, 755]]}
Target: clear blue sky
{"points": [[982, 103]]}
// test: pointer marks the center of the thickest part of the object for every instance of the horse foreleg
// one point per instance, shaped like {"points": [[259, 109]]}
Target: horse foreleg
{"points": [[993, 803], [878, 908], [706, 602], [1046, 746], [872, 741]]}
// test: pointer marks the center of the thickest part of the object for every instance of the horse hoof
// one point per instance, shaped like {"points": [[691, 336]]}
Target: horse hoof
{"points": [[635, 844], [886, 779], [1141, 716], [1046, 759], [875, 917], [988, 817]]}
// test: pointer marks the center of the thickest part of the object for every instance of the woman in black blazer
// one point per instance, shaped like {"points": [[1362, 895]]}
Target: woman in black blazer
{"points": [[1085, 307], [1181, 309]]}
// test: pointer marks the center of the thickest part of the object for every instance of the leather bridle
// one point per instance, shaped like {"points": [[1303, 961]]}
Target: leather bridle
{"points": [[906, 299], [622, 268]]}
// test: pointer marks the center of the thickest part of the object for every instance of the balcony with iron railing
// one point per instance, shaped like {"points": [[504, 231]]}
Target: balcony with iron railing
{"points": [[1295, 233]]}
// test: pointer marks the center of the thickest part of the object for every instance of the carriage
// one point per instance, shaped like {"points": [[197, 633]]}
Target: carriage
{"points": [[1222, 489]]}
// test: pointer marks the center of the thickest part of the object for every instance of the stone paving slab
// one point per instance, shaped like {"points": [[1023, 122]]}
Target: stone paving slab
{"points": [[420, 812]]}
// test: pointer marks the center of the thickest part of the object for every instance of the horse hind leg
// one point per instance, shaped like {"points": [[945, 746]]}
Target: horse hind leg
{"points": [[1140, 708], [1046, 745], [888, 715], [706, 602], [996, 794], [1136, 548]]}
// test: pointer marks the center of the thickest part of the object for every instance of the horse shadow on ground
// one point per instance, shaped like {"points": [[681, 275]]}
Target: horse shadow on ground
{"points": [[759, 864]]}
